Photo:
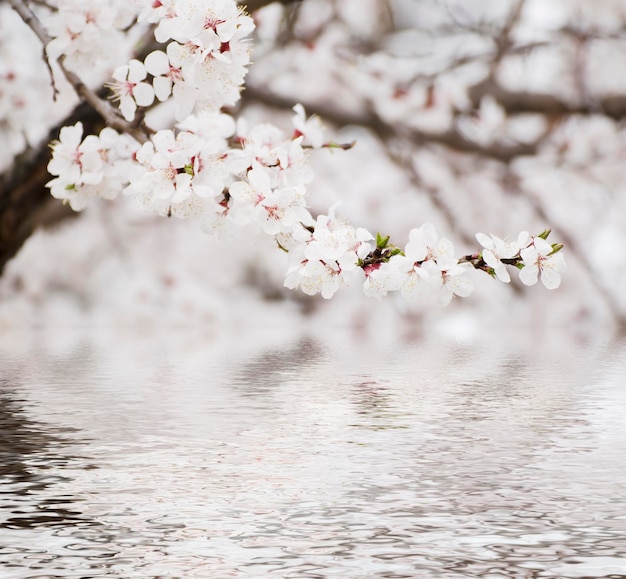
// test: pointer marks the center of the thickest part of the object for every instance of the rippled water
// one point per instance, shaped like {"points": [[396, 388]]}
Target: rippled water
{"points": [[144, 456]]}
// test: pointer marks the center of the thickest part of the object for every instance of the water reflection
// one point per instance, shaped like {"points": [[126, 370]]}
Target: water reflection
{"points": [[269, 456], [31, 459]]}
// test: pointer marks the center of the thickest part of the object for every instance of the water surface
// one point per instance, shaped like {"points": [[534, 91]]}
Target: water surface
{"points": [[151, 455]]}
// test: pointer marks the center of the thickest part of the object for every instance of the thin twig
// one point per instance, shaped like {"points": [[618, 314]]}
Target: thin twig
{"points": [[31, 20], [102, 107], [254, 5]]}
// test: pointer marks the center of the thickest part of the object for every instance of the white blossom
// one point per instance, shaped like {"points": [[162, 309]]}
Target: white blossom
{"points": [[382, 278], [165, 75], [130, 90], [208, 24], [328, 258], [97, 166], [88, 34], [314, 277], [455, 281], [165, 183], [497, 249], [276, 210], [77, 164], [428, 268], [538, 259], [415, 280], [227, 174], [311, 129]]}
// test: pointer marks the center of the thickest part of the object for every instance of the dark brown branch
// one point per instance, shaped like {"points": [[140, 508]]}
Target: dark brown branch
{"points": [[517, 102], [503, 40], [340, 117], [102, 106], [25, 201]]}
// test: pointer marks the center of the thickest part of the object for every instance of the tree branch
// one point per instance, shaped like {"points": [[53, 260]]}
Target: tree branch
{"points": [[254, 5], [101, 106], [517, 102], [25, 201], [450, 138]]}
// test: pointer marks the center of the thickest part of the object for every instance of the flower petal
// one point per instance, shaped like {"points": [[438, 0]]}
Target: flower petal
{"points": [[542, 246], [128, 108], [136, 71], [484, 240], [157, 63], [144, 94], [528, 275], [162, 87], [550, 278]]}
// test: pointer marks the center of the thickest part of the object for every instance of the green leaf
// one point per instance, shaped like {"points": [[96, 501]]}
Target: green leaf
{"points": [[544, 234], [556, 247], [381, 242]]}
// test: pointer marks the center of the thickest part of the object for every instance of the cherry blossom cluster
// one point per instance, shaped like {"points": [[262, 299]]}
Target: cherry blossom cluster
{"points": [[426, 267], [184, 174], [333, 253], [217, 170], [97, 166], [203, 65], [87, 34], [226, 174], [326, 255]]}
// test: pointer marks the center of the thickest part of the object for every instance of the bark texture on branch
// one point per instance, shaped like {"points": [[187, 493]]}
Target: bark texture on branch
{"points": [[451, 138], [25, 201], [516, 102]]}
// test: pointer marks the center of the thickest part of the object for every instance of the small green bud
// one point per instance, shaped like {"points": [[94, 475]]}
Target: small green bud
{"points": [[344, 146], [381, 242]]}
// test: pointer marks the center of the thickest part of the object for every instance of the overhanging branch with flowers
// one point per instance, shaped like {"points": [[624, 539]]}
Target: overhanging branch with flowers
{"points": [[217, 171]]}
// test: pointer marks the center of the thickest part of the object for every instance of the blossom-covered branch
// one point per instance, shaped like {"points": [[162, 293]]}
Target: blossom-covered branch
{"points": [[222, 173]]}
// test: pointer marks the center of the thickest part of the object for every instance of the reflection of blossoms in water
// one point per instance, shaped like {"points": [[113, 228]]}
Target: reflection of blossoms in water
{"points": [[292, 425]]}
